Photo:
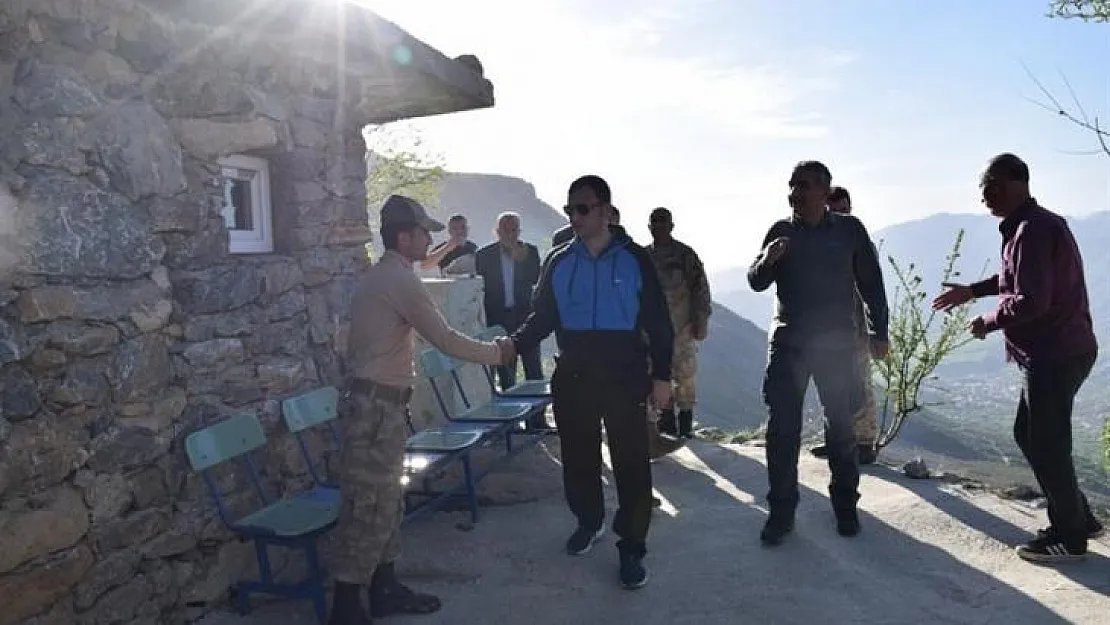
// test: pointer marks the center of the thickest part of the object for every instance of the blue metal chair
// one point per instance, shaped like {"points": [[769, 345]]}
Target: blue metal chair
{"points": [[509, 417], [426, 452], [296, 522]]}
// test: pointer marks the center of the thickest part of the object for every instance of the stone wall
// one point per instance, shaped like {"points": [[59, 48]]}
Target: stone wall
{"points": [[124, 320]]}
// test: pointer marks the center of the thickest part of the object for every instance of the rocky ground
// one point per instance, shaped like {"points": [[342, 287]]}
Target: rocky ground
{"points": [[930, 551]]}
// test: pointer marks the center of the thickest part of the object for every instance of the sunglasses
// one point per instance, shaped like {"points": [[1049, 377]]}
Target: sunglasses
{"points": [[581, 209]]}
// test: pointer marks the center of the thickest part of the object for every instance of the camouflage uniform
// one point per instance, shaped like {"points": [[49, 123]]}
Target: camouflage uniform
{"points": [[687, 289], [865, 423], [374, 431]]}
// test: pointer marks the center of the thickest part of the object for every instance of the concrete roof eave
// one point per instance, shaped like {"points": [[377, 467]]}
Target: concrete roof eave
{"points": [[428, 82], [387, 73]]}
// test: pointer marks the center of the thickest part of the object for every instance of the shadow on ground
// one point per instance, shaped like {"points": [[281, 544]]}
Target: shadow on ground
{"points": [[923, 556]]}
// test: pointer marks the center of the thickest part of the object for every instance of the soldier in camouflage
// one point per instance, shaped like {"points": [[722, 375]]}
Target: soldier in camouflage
{"points": [[389, 303], [865, 423], [687, 290]]}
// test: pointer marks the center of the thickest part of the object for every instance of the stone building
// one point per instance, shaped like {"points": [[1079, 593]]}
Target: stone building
{"points": [[182, 215]]}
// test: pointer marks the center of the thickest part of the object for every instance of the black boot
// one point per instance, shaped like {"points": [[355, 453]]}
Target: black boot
{"points": [[686, 424], [667, 423], [346, 606], [389, 596]]}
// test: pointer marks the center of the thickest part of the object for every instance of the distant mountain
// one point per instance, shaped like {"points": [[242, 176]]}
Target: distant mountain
{"points": [[481, 197], [925, 243], [730, 372]]}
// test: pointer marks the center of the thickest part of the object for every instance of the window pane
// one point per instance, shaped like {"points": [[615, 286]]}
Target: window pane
{"points": [[238, 198]]}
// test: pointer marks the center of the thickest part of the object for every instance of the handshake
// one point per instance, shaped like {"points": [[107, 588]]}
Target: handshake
{"points": [[508, 349]]}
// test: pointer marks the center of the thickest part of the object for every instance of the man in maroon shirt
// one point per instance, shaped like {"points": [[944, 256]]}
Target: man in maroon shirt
{"points": [[1046, 320]]}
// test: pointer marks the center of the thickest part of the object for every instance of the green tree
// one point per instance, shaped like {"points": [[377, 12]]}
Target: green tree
{"points": [[918, 343], [1086, 10], [399, 162]]}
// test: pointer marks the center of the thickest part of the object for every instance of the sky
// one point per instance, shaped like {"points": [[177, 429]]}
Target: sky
{"points": [[704, 106]]}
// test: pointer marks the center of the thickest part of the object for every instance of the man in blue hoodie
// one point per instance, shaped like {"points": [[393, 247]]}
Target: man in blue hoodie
{"points": [[601, 295]]}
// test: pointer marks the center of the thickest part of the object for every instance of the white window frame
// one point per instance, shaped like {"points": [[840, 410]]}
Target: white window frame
{"points": [[259, 240]]}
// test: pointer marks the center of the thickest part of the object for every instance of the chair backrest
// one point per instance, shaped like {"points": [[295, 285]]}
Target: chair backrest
{"points": [[490, 333], [318, 407], [310, 409], [434, 363], [229, 439]]}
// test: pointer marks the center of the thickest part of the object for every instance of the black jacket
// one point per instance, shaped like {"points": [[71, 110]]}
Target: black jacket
{"points": [[526, 273]]}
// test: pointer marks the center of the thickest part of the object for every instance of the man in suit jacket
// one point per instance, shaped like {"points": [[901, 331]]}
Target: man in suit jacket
{"points": [[510, 270]]}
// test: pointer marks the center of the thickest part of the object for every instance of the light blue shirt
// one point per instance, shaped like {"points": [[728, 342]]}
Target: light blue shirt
{"points": [[507, 278]]}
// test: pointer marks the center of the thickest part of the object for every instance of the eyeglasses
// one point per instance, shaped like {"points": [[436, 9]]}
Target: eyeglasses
{"points": [[581, 209]]}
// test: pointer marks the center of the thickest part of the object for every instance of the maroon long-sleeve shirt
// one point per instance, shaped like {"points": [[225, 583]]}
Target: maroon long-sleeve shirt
{"points": [[1042, 295]]}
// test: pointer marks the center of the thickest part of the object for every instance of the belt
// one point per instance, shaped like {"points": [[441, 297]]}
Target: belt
{"points": [[370, 388]]}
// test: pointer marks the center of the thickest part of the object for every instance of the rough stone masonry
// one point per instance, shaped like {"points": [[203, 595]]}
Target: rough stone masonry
{"points": [[124, 319]]}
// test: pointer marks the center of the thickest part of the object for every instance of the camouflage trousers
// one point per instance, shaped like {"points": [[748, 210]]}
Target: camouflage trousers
{"points": [[684, 369], [373, 434], [865, 423]]}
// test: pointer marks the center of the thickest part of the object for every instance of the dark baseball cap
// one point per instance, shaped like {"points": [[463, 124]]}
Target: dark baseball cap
{"points": [[402, 210]]}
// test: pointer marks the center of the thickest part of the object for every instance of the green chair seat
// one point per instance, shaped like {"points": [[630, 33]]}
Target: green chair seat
{"points": [[293, 517], [436, 439], [530, 388], [498, 411]]}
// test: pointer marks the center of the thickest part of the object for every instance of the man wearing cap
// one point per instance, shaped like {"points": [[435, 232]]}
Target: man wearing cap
{"points": [[687, 289], [865, 423], [388, 304]]}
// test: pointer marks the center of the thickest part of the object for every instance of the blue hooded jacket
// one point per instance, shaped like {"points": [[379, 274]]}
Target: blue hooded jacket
{"points": [[601, 308]]}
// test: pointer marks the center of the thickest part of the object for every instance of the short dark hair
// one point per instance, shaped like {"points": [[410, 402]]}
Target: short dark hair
{"points": [[660, 214], [596, 183], [839, 193], [816, 167], [390, 231], [457, 217], [1007, 166]]}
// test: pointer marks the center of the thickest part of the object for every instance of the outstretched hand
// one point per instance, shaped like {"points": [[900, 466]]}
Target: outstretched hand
{"points": [[954, 295]]}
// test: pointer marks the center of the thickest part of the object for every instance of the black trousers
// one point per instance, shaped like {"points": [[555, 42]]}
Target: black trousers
{"points": [[1042, 430], [582, 402], [835, 373], [533, 366]]}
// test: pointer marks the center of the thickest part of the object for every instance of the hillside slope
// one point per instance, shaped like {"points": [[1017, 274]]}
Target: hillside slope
{"points": [[481, 197], [730, 372]]}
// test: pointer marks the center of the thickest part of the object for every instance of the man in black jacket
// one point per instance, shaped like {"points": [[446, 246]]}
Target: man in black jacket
{"points": [[510, 270], [601, 295], [819, 260]]}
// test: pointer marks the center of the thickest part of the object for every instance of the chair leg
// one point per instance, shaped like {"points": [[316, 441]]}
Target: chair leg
{"points": [[471, 488], [316, 582], [242, 599], [263, 557]]}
